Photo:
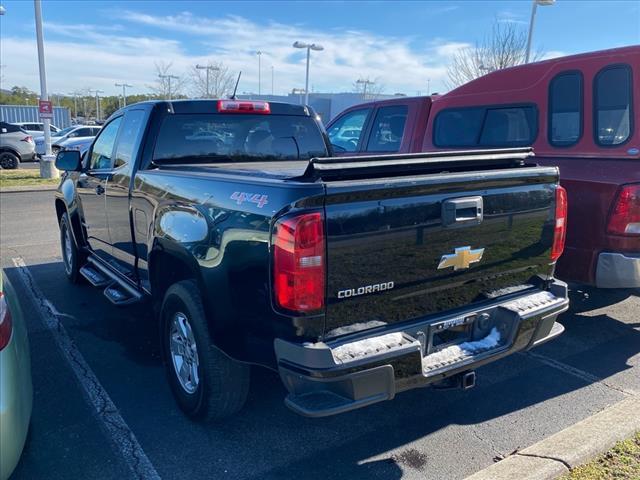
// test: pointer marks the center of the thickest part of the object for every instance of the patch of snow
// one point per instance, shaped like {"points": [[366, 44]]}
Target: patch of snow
{"points": [[355, 327], [457, 352], [530, 301], [368, 346], [507, 290]]}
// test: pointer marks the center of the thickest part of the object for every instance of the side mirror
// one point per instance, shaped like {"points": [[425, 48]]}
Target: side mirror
{"points": [[69, 160]]}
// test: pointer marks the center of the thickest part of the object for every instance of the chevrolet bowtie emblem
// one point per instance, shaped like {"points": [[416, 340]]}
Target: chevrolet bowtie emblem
{"points": [[463, 258]]}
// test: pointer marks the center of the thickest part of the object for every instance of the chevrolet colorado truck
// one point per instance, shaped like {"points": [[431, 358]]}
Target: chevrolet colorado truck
{"points": [[355, 278]]}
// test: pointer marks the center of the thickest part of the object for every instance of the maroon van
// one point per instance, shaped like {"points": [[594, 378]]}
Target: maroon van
{"points": [[581, 113]]}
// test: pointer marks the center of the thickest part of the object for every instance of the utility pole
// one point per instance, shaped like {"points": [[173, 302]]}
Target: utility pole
{"points": [[169, 77], [75, 103], [534, 8], [98, 92], [428, 86], [124, 92], [43, 74], [272, 79], [209, 68], [259, 53], [365, 83]]}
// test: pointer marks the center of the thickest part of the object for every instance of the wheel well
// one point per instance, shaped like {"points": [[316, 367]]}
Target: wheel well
{"points": [[165, 269], [9, 150], [60, 209]]}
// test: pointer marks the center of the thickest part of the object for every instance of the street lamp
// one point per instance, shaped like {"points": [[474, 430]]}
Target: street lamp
{"points": [[309, 47], [169, 77], [299, 91], [98, 92], [43, 74], [365, 83], [124, 92], [259, 54], [534, 8], [208, 68]]}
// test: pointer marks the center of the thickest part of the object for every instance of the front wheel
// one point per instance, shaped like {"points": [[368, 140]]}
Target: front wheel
{"points": [[206, 383], [70, 254]]}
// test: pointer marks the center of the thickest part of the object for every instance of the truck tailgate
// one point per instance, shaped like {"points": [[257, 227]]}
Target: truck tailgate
{"points": [[403, 248]]}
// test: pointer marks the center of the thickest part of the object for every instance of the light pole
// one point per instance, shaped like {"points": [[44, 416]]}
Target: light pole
{"points": [[534, 8], [43, 74], [309, 47], [299, 91], [272, 79], [98, 92], [169, 77], [365, 83], [259, 54], [75, 104], [124, 92], [208, 68]]}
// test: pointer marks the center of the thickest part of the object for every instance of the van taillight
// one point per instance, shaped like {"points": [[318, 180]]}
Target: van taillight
{"points": [[6, 325], [560, 230], [299, 262], [625, 216]]}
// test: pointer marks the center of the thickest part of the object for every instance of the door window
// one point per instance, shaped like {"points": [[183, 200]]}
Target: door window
{"points": [[129, 139], [101, 154], [565, 109], [388, 128], [347, 130], [612, 105]]}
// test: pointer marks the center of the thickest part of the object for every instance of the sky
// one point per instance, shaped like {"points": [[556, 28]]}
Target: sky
{"points": [[403, 46]]}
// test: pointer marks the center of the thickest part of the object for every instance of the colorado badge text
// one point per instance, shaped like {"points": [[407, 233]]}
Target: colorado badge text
{"points": [[463, 258]]}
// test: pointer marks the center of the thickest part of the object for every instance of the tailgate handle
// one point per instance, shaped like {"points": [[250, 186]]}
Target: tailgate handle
{"points": [[462, 211]]}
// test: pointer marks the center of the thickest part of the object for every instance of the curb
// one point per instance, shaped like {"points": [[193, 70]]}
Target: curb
{"points": [[569, 448], [29, 188]]}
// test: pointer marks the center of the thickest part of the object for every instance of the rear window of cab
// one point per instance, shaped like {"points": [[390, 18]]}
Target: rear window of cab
{"points": [[487, 126]]}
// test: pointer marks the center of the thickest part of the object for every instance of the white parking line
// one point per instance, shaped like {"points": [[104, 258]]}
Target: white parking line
{"points": [[576, 372], [121, 435]]}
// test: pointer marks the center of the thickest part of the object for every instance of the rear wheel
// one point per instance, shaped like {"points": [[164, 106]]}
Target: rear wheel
{"points": [[206, 383], [9, 161]]}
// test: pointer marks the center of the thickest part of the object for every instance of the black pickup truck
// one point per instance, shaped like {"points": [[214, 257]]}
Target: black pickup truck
{"points": [[355, 278]]}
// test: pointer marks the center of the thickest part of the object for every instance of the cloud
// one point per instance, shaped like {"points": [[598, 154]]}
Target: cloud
{"points": [[96, 56]]}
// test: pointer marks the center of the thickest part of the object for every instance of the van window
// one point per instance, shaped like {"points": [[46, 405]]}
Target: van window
{"points": [[613, 105], [388, 128], [565, 109], [499, 126]]}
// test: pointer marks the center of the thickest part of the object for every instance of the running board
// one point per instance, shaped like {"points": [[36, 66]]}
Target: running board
{"points": [[118, 291]]}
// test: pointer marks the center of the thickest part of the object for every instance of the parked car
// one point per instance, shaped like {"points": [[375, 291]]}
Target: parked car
{"points": [[578, 113], [16, 390], [355, 278], [16, 146], [80, 144], [35, 128], [75, 131]]}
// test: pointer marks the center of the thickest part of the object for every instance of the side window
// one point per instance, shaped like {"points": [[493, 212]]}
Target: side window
{"points": [[95, 131], [83, 132], [129, 139], [346, 132], [612, 105], [103, 146], [509, 127], [388, 128], [458, 127], [565, 109]]}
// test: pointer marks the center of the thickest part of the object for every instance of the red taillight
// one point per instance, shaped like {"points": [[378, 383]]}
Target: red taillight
{"points": [[299, 262], [6, 325], [560, 230], [625, 216], [28, 138], [236, 106]]}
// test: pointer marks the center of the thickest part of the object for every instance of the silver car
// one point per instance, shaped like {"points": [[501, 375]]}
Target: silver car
{"points": [[80, 144], [16, 389], [75, 131], [16, 146]]}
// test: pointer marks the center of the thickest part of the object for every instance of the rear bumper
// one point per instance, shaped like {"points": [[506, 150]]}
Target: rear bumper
{"points": [[329, 378], [28, 156], [616, 270]]}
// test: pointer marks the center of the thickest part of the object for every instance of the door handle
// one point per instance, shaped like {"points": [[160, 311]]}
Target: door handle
{"points": [[462, 211], [99, 189]]}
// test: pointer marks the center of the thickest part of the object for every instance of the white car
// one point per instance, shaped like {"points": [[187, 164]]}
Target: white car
{"points": [[35, 129], [80, 144], [75, 131]]}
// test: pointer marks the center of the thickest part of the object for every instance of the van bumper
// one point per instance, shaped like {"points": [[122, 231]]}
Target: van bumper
{"points": [[616, 270], [365, 368]]}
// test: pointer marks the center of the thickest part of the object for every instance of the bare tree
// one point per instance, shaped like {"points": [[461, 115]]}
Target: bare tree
{"points": [[221, 81], [503, 48], [166, 84], [369, 89]]}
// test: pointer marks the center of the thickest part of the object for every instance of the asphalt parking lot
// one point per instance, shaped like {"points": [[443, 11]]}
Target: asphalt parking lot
{"points": [[75, 431]]}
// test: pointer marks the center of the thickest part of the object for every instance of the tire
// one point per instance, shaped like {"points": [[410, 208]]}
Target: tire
{"points": [[212, 386], [9, 161], [71, 257]]}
